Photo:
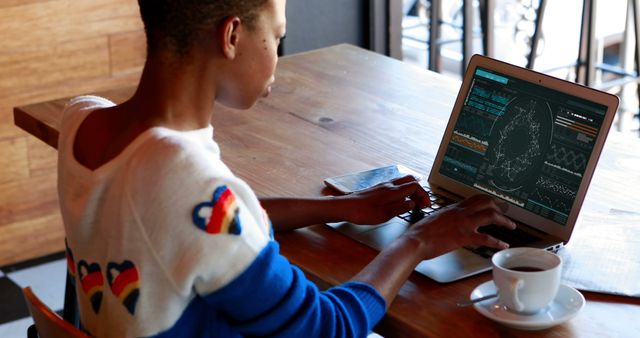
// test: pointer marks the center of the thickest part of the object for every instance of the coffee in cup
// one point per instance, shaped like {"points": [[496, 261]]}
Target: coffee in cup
{"points": [[527, 279]]}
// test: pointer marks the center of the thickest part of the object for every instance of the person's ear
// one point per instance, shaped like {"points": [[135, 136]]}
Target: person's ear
{"points": [[230, 36]]}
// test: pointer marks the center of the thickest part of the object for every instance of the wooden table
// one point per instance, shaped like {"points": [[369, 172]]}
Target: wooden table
{"points": [[343, 109]]}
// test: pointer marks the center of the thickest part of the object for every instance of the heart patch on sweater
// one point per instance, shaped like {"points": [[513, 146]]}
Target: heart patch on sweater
{"points": [[124, 281], [92, 283], [220, 215]]}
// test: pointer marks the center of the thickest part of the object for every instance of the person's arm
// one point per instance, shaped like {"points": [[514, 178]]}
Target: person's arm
{"points": [[370, 206], [273, 297], [453, 227]]}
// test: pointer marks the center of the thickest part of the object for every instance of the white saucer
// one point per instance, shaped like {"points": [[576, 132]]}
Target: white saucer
{"points": [[566, 305]]}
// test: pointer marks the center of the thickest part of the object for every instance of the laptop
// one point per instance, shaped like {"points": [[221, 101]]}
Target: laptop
{"points": [[526, 138]]}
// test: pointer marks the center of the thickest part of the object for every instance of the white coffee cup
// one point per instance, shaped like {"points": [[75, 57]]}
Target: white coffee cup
{"points": [[527, 279]]}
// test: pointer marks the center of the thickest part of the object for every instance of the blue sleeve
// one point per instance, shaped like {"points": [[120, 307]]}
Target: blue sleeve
{"points": [[273, 297]]}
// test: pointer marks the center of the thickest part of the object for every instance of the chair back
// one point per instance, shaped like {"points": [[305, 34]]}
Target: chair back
{"points": [[47, 322]]}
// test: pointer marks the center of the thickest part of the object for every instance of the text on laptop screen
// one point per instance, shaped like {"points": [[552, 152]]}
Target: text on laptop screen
{"points": [[523, 143]]}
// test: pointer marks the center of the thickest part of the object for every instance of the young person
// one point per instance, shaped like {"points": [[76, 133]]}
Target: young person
{"points": [[165, 241]]}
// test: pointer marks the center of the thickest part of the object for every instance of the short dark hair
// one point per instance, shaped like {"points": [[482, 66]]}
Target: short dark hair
{"points": [[174, 24]]}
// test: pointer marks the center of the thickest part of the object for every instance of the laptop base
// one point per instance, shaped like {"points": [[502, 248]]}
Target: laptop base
{"points": [[452, 266]]}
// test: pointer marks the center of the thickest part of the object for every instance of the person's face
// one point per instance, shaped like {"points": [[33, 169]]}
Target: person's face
{"points": [[257, 56]]}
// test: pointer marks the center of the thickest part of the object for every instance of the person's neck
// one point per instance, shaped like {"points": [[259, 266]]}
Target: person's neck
{"points": [[174, 94]]}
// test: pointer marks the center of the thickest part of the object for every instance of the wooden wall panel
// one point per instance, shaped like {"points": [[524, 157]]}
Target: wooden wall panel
{"points": [[13, 3], [42, 158], [28, 198], [37, 237], [126, 56], [66, 89], [7, 129], [51, 49], [14, 163], [53, 65], [56, 22]]}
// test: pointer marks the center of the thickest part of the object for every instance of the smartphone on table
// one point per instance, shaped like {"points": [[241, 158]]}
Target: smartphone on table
{"points": [[361, 180]]}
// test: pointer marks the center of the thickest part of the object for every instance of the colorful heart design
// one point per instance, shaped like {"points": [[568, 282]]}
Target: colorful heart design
{"points": [[124, 281], [220, 215], [92, 283]]}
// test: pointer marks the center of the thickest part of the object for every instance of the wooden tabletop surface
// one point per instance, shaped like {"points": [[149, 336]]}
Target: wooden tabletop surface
{"points": [[344, 109]]}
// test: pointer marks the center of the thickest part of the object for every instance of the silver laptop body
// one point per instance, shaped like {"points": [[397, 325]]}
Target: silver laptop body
{"points": [[518, 135]]}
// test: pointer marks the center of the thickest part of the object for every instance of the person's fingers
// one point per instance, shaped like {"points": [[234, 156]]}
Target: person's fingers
{"points": [[404, 187], [504, 206], [492, 216], [399, 207], [489, 241], [421, 197], [474, 200], [477, 202], [412, 190], [482, 202], [416, 192], [403, 180]]}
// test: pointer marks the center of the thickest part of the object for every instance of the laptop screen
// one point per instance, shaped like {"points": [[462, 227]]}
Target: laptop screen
{"points": [[523, 143]]}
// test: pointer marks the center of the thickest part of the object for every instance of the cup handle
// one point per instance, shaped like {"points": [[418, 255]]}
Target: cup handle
{"points": [[516, 284]]}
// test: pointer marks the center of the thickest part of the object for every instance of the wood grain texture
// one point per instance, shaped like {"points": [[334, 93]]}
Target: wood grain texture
{"points": [[52, 49], [28, 198], [7, 127], [52, 65], [14, 162], [42, 158], [44, 23], [343, 109], [37, 236], [31, 225], [126, 56], [15, 3]]}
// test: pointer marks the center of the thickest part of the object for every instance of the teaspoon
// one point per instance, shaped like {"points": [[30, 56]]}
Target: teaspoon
{"points": [[473, 301]]}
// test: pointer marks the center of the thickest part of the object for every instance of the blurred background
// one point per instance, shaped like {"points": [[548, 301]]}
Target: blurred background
{"points": [[514, 23]]}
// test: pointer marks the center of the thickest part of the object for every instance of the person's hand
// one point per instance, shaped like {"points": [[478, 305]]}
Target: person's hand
{"points": [[457, 225], [384, 201]]}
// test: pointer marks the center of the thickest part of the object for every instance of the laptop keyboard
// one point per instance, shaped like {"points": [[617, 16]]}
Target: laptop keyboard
{"points": [[515, 238], [437, 202]]}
